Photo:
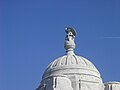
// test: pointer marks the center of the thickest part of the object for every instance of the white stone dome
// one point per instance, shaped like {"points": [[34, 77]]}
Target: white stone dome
{"points": [[71, 72], [72, 64]]}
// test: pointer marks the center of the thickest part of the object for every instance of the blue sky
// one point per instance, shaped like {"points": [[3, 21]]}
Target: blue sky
{"points": [[32, 35]]}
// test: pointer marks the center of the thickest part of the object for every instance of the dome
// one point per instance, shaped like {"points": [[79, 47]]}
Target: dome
{"points": [[70, 71], [71, 64]]}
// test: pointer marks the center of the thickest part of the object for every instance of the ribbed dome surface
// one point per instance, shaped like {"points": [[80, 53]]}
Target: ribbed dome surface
{"points": [[71, 64], [71, 60]]}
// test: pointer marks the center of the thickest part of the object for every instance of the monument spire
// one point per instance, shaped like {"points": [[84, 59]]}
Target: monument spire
{"points": [[69, 44]]}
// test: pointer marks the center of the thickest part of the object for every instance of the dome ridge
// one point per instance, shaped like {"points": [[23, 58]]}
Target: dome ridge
{"points": [[70, 60]]}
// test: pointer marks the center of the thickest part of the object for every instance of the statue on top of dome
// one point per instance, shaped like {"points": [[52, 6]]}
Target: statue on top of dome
{"points": [[69, 40], [70, 33]]}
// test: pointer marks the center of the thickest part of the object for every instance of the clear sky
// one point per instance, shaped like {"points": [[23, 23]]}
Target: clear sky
{"points": [[32, 35]]}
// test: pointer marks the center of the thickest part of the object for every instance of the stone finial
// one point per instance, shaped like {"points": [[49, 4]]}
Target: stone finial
{"points": [[69, 40]]}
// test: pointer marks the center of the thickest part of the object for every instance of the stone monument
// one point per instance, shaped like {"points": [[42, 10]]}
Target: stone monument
{"points": [[72, 72]]}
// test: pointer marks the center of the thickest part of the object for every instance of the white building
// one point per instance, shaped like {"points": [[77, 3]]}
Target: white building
{"points": [[72, 72]]}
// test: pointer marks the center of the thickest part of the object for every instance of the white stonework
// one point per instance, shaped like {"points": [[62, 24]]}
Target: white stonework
{"points": [[72, 72], [112, 86]]}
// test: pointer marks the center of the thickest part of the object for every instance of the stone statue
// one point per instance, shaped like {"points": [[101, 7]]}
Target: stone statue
{"points": [[70, 33], [69, 40]]}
